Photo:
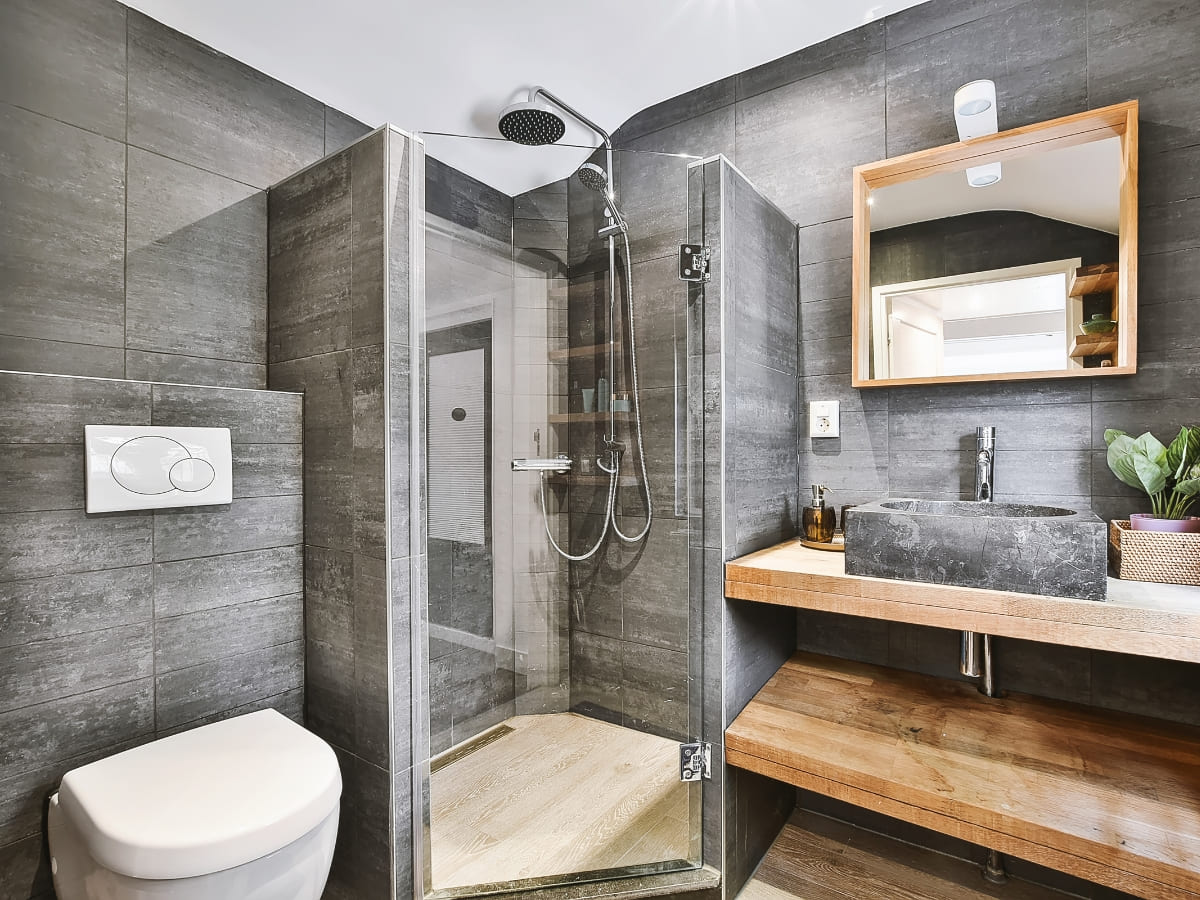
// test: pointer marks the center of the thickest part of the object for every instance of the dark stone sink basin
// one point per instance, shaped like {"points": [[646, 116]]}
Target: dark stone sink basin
{"points": [[970, 508], [1017, 547]]}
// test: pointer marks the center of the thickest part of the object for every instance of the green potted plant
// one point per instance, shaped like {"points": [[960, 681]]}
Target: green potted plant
{"points": [[1170, 476]]}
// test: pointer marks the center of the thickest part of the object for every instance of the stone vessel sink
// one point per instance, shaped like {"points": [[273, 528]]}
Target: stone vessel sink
{"points": [[1017, 547]]}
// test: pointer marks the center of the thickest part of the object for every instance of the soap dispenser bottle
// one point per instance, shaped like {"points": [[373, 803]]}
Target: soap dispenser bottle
{"points": [[819, 519]]}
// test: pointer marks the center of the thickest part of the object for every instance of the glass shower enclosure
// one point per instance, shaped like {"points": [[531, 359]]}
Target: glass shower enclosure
{"points": [[558, 674]]}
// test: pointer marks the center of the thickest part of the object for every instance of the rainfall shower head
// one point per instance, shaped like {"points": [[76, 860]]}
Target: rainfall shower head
{"points": [[594, 178], [530, 124]]}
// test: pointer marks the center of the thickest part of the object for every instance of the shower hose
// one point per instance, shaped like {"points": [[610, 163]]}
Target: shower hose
{"points": [[614, 473]]}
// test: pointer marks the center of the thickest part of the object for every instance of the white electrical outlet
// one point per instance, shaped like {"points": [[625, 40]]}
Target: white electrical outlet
{"points": [[823, 419]]}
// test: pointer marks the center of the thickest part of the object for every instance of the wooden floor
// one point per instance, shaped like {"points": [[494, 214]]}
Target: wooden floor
{"points": [[561, 793], [815, 858]]}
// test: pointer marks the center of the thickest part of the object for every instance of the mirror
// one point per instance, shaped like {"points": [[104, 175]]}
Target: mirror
{"points": [[1010, 256]]}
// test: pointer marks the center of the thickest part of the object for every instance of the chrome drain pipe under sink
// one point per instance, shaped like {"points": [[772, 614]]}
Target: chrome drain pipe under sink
{"points": [[975, 652]]}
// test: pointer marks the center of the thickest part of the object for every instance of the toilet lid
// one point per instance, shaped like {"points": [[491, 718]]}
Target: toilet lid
{"points": [[204, 800]]}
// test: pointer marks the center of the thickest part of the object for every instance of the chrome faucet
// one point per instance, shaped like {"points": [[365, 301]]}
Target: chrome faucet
{"points": [[985, 463]]}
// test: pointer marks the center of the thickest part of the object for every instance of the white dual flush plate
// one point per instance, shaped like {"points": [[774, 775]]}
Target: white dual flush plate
{"points": [[147, 467]]}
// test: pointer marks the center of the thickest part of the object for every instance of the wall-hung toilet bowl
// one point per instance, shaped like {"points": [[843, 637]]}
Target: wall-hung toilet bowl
{"points": [[244, 809]]}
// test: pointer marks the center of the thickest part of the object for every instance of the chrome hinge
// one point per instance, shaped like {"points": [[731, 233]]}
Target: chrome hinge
{"points": [[693, 262], [695, 761]]}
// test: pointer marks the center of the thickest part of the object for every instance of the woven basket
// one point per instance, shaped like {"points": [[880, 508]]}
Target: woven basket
{"points": [[1160, 556]]}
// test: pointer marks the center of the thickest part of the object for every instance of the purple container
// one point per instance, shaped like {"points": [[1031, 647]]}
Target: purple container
{"points": [[1147, 522]]}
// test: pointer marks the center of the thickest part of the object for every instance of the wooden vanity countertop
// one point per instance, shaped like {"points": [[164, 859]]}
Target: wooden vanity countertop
{"points": [[1160, 620]]}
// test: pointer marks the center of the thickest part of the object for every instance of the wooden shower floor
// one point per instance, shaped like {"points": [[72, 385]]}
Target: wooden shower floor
{"points": [[561, 793]]}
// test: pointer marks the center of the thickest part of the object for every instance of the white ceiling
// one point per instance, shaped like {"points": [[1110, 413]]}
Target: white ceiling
{"points": [[452, 65], [1078, 184]]}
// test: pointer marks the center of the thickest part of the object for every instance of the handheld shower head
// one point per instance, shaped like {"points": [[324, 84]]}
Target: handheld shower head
{"points": [[594, 178], [530, 124]]}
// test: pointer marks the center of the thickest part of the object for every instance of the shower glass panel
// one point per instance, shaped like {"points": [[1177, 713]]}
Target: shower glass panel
{"points": [[554, 693]]}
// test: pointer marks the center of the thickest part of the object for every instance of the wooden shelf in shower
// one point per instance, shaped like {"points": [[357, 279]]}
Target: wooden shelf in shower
{"points": [[1105, 796], [582, 352], [581, 417], [592, 480]]}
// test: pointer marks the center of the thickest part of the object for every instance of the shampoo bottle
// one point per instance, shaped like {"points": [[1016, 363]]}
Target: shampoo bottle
{"points": [[819, 519]]}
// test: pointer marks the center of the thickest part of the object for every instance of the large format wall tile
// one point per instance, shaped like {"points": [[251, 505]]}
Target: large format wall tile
{"points": [[59, 605], [368, 239], [196, 262], [192, 585], [1146, 51], [84, 723], [267, 470], [43, 409], [254, 523], [41, 477], [798, 142], [41, 544], [253, 417], [195, 638], [310, 260], [341, 130], [197, 692], [190, 103], [65, 59], [62, 234], [74, 664], [19, 354], [175, 368]]}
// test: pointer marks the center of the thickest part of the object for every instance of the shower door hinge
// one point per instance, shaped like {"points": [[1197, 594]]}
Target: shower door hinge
{"points": [[693, 262], [695, 761]]}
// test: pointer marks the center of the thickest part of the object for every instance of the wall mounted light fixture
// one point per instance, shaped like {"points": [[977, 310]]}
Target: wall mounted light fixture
{"points": [[975, 116]]}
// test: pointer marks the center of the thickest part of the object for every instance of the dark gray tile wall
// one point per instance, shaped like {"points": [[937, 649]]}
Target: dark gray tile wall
{"points": [[335, 248], [133, 163], [117, 629]]}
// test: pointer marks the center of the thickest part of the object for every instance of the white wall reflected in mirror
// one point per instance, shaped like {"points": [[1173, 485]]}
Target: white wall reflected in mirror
{"points": [[1019, 319]]}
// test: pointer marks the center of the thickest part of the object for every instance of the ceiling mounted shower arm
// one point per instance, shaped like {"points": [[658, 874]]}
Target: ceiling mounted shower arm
{"points": [[580, 117], [568, 108]]}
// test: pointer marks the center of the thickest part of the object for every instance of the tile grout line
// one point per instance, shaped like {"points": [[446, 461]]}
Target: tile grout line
{"points": [[125, 229]]}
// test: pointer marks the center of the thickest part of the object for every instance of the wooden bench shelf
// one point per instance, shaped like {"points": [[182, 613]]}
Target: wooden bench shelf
{"points": [[579, 417], [1160, 620], [816, 858], [1111, 798], [584, 352]]}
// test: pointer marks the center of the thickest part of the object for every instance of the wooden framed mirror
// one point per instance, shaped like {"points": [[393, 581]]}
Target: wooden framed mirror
{"points": [[1001, 258]]}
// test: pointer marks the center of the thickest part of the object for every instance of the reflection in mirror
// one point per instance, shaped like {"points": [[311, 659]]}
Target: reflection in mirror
{"points": [[986, 280]]}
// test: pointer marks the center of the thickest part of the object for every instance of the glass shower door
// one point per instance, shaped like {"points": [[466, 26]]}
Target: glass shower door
{"points": [[557, 690]]}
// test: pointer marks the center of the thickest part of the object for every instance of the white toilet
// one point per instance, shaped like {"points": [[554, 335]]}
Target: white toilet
{"points": [[244, 809]]}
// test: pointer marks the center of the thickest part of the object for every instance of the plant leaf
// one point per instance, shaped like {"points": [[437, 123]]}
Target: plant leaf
{"points": [[1189, 488], [1150, 473], [1111, 434], [1121, 452], [1151, 447], [1183, 451]]}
